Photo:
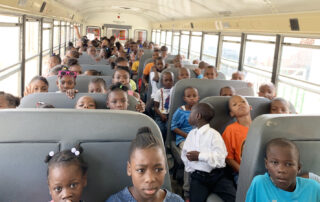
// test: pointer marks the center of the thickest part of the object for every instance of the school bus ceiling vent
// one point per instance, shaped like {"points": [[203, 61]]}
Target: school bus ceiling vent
{"points": [[294, 24], [43, 6], [191, 24]]}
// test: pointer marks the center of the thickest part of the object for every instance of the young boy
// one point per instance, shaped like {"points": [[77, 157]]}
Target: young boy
{"points": [[183, 73], [210, 72], [238, 76], [227, 91], [267, 90], [161, 103], [279, 106], [155, 75], [236, 133], [281, 183], [204, 154]]}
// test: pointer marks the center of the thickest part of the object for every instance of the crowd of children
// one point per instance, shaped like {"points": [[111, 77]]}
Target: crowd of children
{"points": [[206, 153]]}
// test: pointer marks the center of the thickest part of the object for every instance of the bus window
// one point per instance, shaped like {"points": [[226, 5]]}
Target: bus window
{"points": [[169, 41], [140, 35], [195, 46], [56, 36], [154, 33], [175, 43], [184, 45], [63, 39], [157, 41], [163, 38], [210, 45], [230, 55]]}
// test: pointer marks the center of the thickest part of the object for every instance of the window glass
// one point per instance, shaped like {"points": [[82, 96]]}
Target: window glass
{"points": [[154, 33], [184, 45], [140, 35], [169, 40], [262, 59], [232, 38], [63, 35], [230, 58], [11, 84], [158, 37], [195, 47], [68, 33], [11, 47], [31, 69], [176, 39], [45, 64], [210, 46], [261, 38], [9, 19], [163, 38], [305, 41], [46, 37], [32, 39], [56, 34]]}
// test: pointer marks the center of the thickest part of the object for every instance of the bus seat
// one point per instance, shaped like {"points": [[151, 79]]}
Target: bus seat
{"points": [[221, 76], [104, 69], [82, 83], [142, 60], [101, 134], [86, 59], [302, 129], [214, 198], [60, 100]]}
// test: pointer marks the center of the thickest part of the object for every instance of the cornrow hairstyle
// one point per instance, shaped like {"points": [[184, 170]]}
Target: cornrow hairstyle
{"points": [[72, 61], [40, 78], [99, 81], [145, 139], [12, 100], [67, 157]]}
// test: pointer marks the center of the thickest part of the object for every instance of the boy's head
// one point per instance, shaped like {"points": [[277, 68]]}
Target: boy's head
{"points": [[160, 64], [203, 65], [76, 68], [92, 72], [164, 51], [122, 75], [86, 102], [283, 163], [191, 96], [238, 76], [267, 90], [239, 106], [183, 73], [227, 91], [279, 106], [121, 61], [201, 114], [210, 72], [97, 85], [167, 80], [155, 54]]}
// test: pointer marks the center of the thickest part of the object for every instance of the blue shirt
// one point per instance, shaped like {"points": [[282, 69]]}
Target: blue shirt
{"points": [[262, 189], [125, 196], [180, 120]]}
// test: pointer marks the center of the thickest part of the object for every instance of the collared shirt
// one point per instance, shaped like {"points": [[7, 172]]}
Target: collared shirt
{"points": [[212, 149], [125, 196]]}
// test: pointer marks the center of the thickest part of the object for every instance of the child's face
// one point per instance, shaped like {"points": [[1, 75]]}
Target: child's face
{"points": [[121, 76], [76, 68], [191, 96], [118, 100], [155, 55], [183, 74], [96, 88], [239, 106], [167, 81], [279, 107], [267, 91], [38, 86], [283, 166], [147, 170], [164, 54], [210, 73], [66, 182], [3, 102], [92, 51], [66, 82], [86, 102], [177, 63], [237, 76], [227, 92], [159, 65]]}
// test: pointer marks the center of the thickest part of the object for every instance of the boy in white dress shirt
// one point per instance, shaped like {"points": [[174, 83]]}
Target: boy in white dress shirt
{"points": [[204, 154]]}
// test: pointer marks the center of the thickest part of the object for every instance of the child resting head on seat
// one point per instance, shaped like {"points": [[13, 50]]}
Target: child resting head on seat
{"points": [[38, 84], [279, 105], [117, 97], [147, 168], [281, 183], [8, 101], [86, 102], [97, 85], [66, 82], [67, 175]]}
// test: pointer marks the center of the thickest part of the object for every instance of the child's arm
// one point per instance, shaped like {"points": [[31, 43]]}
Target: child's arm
{"points": [[180, 132], [141, 106], [233, 164], [156, 74], [156, 109], [144, 80]]}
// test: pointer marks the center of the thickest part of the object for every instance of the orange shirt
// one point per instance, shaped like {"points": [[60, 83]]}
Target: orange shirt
{"points": [[233, 137], [147, 69]]}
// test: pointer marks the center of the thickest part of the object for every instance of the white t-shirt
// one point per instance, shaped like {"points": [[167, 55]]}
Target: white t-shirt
{"points": [[163, 97], [154, 85]]}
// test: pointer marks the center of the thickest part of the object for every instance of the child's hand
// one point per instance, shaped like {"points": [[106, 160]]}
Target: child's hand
{"points": [[163, 118], [193, 155], [71, 93], [141, 107], [197, 71], [27, 91]]}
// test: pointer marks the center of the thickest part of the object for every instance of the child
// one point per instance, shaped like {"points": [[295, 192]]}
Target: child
{"points": [[227, 91], [147, 69], [236, 133], [67, 175], [124, 63], [183, 73], [267, 90], [66, 82], [147, 168], [161, 103], [8, 101], [199, 71], [210, 72], [97, 85], [38, 84], [135, 65], [279, 106], [53, 61], [92, 72], [281, 183], [203, 155], [85, 102], [155, 75], [238, 76], [117, 97]]}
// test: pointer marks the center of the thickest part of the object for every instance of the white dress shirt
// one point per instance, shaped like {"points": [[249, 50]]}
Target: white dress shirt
{"points": [[211, 146]]}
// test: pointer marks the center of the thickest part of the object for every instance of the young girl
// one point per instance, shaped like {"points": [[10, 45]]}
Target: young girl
{"points": [[66, 82], [67, 175], [38, 84], [117, 97], [8, 101], [147, 168], [97, 85], [86, 102]]}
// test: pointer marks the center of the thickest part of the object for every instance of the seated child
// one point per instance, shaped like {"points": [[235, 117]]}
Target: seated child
{"points": [[183, 73], [267, 90], [199, 71], [279, 105], [76, 68], [97, 85], [92, 72], [55, 70], [120, 61], [210, 72], [227, 91], [236, 133], [161, 102], [203, 155], [281, 183], [155, 74], [195, 62], [117, 97], [67, 175], [238, 76], [135, 65], [8, 101], [147, 168], [38, 84], [66, 81], [86, 102]]}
